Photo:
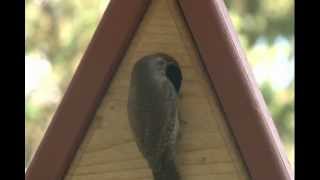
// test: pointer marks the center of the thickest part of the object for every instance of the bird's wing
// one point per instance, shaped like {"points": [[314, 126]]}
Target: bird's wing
{"points": [[163, 122]]}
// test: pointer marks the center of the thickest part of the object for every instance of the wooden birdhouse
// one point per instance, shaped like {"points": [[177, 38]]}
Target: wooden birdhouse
{"points": [[228, 132]]}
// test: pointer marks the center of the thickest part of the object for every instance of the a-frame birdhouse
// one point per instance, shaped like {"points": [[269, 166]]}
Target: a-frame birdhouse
{"points": [[228, 133]]}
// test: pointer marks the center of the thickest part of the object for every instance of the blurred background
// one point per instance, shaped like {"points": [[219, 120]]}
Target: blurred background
{"points": [[58, 32]]}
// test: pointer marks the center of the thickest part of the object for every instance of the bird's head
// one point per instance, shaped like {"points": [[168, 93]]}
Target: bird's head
{"points": [[160, 64]]}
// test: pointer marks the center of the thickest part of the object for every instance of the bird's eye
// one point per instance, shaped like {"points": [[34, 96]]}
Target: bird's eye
{"points": [[174, 74]]}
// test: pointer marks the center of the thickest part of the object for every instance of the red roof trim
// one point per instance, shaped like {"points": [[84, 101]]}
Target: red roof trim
{"points": [[86, 90], [241, 100]]}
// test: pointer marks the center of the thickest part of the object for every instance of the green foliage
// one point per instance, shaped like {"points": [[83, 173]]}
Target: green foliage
{"points": [[60, 30], [281, 107], [264, 18]]}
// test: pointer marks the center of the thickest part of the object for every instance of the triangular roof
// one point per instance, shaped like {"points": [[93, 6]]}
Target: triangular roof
{"points": [[225, 65]]}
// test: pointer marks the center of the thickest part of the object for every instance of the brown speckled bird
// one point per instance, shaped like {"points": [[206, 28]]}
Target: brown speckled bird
{"points": [[153, 113]]}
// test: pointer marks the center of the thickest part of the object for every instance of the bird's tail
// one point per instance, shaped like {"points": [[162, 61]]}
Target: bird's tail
{"points": [[168, 170]]}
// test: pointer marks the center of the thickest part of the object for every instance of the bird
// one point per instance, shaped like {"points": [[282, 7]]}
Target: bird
{"points": [[153, 112]]}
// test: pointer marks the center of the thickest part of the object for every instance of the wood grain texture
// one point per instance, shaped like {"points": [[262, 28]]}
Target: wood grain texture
{"points": [[206, 150]]}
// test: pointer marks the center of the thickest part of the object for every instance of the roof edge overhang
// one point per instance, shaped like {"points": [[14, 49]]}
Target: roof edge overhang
{"points": [[246, 112]]}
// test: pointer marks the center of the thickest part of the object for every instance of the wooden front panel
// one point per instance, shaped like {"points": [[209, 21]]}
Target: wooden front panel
{"points": [[206, 150]]}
